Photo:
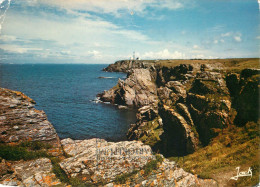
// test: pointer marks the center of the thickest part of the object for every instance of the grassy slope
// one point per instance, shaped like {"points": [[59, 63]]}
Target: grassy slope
{"points": [[234, 147], [234, 64]]}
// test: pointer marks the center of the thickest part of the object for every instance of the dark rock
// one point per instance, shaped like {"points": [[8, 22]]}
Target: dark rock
{"points": [[244, 90], [178, 138], [232, 81], [246, 73]]}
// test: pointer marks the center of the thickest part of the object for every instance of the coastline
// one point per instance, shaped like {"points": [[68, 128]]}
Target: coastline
{"points": [[77, 159], [45, 164]]}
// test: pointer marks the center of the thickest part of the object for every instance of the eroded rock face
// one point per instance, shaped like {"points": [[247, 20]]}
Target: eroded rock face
{"points": [[180, 136], [199, 105], [97, 160], [189, 101], [137, 90], [178, 73], [30, 173], [244, 90], [20, 121]]}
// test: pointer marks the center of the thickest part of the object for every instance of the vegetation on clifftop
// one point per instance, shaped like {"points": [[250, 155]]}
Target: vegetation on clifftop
{"points": [[234, 147]]}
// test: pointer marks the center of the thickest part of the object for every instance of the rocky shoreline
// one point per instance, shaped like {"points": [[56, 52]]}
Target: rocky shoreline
{"points": [[33, 155], [181, 108]]}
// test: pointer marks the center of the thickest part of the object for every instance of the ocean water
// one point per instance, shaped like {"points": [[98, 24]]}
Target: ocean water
{"points": [[66, 94]]}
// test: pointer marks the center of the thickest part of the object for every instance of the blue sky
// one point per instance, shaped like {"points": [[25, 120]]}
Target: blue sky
{"points": [[103, 31]]}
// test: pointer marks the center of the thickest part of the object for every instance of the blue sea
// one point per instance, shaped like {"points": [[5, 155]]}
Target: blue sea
{"points": [[66, 94]]}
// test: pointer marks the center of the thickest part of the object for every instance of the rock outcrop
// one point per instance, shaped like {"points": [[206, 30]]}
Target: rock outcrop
{"points": [[244, 90], [137, 90], [30, 173], [97, 160], [126, 65], [180, 107], [167, 174], [93, 162], [21, 122], [100, 162]]}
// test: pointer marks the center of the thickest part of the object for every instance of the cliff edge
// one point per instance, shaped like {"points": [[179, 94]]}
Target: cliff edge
{"points": [[31, 154], [186, 106]]}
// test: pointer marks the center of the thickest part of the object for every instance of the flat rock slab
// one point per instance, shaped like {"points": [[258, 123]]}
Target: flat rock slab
{"points": [[97, 160]]}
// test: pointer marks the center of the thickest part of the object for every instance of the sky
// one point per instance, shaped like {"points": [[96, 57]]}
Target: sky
{"points": [[104, 31]]}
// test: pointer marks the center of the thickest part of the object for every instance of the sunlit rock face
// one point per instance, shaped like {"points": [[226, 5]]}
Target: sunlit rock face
{"points": [[29, 173], [137, 90], [20, 122], [98, 160]]}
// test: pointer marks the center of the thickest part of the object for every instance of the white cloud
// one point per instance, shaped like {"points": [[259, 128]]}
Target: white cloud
{"points": [[164, 54], [169, 4], [114, 7], [195, 47], [7, 38], [215, 41], [226, 34], [19, 49], [202, 56], [98, 37], [94, 53], [237, 38]]}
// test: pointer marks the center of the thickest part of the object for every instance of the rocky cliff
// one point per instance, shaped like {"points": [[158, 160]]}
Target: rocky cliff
{"points": [[21, 122], [26, 135], [31, 154], [183, 106]]}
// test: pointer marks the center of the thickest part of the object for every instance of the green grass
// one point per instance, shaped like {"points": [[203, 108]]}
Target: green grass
{"points": [[235, 146], [154, 132], [58, 171], [35, 145], [231, 65], [152, 165], [121, 179], [14, 153]]}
